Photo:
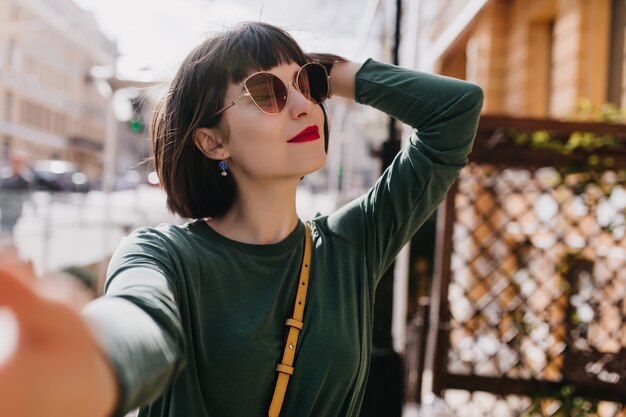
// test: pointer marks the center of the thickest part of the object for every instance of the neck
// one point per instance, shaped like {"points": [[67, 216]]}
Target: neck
{"points": [[263, 214]]}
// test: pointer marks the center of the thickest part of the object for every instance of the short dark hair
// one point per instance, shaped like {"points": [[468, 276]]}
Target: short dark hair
{"points": [[192, 182]]}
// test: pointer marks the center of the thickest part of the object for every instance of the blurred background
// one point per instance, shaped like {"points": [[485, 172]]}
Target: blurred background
{"points": [[508, 302]]}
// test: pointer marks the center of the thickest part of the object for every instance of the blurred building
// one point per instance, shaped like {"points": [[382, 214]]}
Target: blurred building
{"points": [[49, 105], [536, 60], [532, 57]]}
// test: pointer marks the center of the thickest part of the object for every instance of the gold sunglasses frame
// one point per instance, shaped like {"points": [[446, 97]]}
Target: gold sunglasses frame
{"points": [[292, 82]]}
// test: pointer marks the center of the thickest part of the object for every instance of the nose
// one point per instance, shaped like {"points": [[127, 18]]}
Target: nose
{"points": [[299, 105]]}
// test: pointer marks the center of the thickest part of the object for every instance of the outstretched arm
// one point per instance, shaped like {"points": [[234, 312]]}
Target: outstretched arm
{"points": [[54, 367]]}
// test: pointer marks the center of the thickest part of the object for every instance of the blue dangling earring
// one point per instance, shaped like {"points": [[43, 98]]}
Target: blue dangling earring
{"points": [[223, 166]]}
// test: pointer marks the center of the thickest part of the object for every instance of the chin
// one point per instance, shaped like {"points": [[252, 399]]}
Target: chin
{"points": [[319, 163], [309, 169], [308, 162]]}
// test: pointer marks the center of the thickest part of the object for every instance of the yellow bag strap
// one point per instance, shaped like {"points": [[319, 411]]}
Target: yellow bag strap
{"points": [[285, 367]]}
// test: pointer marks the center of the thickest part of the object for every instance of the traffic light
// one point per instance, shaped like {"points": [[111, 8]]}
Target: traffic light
{"points": [[136, 123]]}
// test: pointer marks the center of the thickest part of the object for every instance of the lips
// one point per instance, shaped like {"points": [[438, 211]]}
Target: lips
{"points": [[308, 134]]}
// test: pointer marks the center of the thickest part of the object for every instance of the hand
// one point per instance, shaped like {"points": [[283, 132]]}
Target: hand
{"points": [[54, 367], [342, 73], [342, 79]]}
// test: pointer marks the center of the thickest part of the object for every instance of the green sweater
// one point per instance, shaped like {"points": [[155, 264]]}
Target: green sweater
{"points": [[193, 322]]}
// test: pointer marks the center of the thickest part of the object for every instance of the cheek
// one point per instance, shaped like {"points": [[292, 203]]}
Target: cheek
{"points": [[252, 139], [246, 122]]}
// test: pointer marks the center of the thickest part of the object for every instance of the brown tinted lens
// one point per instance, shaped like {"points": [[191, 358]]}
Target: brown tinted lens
{"points": [[267, 91], [313, 82]]}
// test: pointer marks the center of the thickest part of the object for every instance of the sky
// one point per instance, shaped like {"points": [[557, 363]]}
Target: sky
{"points": [[157, 34]]}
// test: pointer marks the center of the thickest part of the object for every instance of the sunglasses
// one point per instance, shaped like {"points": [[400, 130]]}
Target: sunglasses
{"points": [[269, 93]]}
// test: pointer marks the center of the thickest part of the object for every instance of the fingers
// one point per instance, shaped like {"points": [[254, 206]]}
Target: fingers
{"points": [[15, 291], [62, 287], [17, 279], [10, 261]]}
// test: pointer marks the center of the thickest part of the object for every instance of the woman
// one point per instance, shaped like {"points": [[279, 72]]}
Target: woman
{"points": [[193, 320]]}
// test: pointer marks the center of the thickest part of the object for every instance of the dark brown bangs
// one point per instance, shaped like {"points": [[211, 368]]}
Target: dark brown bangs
{"points": [[259, 47]]}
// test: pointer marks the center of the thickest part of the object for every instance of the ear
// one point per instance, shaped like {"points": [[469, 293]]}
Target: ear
{"points": [[210, 143]]}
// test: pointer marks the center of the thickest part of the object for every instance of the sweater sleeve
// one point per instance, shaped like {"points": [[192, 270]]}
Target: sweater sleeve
{"points": [[137, 322], [444, 111]]}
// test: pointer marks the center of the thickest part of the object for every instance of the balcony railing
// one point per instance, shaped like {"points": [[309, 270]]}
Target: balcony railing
{"points": [[530, 271]]}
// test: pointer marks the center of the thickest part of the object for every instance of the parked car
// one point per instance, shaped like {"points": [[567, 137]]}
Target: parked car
{"points": [[58, 175]]}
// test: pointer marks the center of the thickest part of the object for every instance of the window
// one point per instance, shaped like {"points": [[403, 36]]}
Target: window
{"points": [[8, 106], [11, 53], [616, 88], [541, 39]]}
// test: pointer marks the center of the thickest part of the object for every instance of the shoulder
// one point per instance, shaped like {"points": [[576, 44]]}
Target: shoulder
{"points": [[166, 248], [344, 225], [165, 240], [165, 232]]}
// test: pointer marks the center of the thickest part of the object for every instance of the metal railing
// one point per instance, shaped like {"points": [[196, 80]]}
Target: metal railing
{"points": [[527, 310]]}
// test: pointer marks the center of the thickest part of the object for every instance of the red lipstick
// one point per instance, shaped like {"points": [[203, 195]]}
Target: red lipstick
{"points": [[308, 134]]}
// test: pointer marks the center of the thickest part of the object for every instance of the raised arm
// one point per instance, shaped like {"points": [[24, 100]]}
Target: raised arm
{"points": [[445, 112]]}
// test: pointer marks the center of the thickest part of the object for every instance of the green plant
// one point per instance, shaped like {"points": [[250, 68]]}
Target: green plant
{"points": [[563, 402], [586, 142]]}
